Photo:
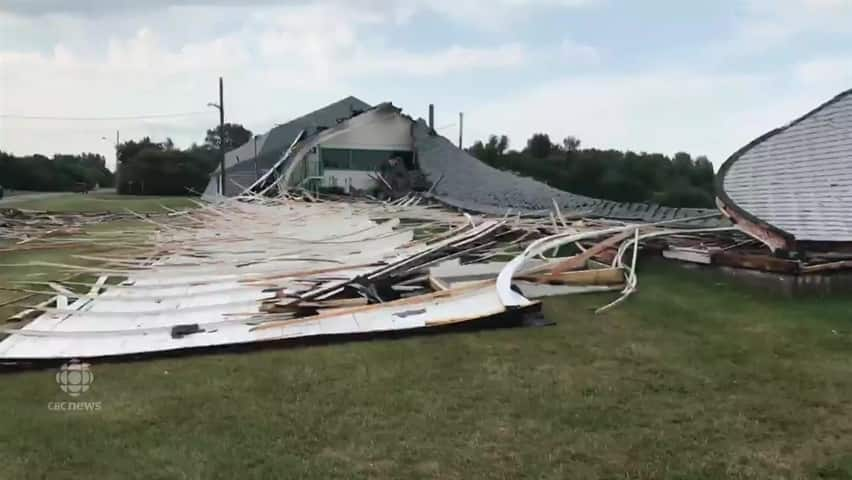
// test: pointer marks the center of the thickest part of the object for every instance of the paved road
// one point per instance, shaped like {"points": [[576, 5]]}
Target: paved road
{"points": [[23, 196]]}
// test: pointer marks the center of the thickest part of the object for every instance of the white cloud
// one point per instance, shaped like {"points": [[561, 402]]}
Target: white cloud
{"points": [[278, 55], [453, 59], [145, 51], [654, 111], [579, 52], [281, 59], [835, 71], [494, 14], [471, 12], [767, 24]]}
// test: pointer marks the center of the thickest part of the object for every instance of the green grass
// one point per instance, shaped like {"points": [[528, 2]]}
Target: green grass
{"points": [[692, 378], [102, 202]]}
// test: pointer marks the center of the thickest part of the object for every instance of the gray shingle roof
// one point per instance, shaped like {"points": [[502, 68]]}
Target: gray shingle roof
{"points": [[797, 179], [282, 136], [466, 182]]}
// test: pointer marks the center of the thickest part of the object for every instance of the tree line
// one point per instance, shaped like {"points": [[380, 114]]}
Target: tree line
{"points": [[677, 181], [60, 173], [146, 167]]}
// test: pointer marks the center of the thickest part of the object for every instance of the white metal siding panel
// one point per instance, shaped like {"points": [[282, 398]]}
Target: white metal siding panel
{"points": [[386, 131], [800, 179]]}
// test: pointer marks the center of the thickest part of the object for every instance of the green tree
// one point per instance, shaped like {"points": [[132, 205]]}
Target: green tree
{"points": [[702, 173], [677, 181], [491, 151], [539, 145], [682, 164], [571, 144], [234, 135], [160, 168], [62, 172]]}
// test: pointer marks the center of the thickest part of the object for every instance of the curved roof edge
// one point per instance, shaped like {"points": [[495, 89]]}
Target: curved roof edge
{"points": [[288, 130], [719, 182]]}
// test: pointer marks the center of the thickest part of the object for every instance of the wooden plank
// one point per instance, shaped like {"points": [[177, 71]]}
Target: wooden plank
{"points": [[687, 255], [437, 284], [828, 267], [605, 276], [764, 263]]}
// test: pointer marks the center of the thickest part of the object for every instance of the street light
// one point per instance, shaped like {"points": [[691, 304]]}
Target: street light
{"points": [[116, 152], [256, 169], [221, 107]]}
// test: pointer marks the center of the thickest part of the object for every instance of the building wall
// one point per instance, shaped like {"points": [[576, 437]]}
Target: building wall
{"points": [[387, 131], [379, 129]]}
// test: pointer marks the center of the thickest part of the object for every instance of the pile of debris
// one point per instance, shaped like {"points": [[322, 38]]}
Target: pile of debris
{"points": [[258, 269], [28, 227]]}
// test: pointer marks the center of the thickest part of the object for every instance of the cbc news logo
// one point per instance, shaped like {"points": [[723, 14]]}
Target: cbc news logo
{"points": [[75, 377]]}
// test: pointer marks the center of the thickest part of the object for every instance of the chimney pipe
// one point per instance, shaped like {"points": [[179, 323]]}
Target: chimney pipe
{"points": [[432, 117], [461, 128]]}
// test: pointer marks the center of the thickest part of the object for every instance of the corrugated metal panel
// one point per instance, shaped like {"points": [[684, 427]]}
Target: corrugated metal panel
{"points": [[799, 179]]}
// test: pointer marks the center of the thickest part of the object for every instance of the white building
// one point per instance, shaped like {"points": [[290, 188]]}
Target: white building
{"points": [[342, 146]]}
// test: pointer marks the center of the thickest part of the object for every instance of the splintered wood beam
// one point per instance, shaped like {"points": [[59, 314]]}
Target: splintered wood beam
{"points": [[579, 261], [763, 233], [828, 267]]}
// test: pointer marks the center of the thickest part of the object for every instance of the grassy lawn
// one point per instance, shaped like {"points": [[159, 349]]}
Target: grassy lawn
{"points": [[101, 202], [692, 378]]}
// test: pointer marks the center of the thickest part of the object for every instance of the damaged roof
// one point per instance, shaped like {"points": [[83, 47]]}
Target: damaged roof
{"points": [[241, 166], [797, 180], [280, 137], [463, 181], [460, 179]]}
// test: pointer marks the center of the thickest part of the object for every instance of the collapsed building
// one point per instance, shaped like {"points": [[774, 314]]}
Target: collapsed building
{"points": [[346, 143]]}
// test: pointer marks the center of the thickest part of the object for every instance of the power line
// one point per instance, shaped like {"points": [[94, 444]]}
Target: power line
{"points": [[106, 118]]}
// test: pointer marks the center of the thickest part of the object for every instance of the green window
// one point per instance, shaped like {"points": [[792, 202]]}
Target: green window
{"points": [[335, 158], [349, 159]]}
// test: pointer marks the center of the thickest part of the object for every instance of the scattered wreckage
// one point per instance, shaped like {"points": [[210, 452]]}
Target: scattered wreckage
{"points": [[458, 241], [258, 269]]}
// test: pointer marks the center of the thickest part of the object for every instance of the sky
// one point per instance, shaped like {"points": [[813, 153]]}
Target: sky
{"points": [[705, 77]]}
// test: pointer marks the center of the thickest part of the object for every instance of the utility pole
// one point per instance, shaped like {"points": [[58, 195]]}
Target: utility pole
{"points": [[117, 178], [222, 133], [221, 107], [461, 128], [256, 169]]}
